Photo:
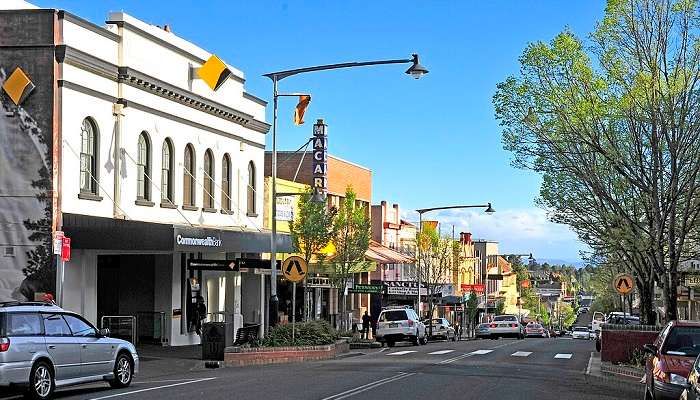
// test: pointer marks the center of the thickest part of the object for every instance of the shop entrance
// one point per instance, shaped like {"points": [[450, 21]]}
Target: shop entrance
{"points": [[129, 302]]}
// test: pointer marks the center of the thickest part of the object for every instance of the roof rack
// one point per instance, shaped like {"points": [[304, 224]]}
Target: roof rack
{"points": [[396, 307], [26, 303]]}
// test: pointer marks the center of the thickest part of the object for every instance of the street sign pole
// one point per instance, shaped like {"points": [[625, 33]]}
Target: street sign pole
{"points": [[294, 310]]}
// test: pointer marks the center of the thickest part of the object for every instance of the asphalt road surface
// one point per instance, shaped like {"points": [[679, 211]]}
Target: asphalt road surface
{"points": [[486, 369]]}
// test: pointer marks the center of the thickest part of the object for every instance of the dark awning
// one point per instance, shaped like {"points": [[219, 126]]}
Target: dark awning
{"points": [[98, 233]]}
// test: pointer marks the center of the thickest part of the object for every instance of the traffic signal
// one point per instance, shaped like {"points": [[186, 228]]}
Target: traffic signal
{"points": [[300, 109]]}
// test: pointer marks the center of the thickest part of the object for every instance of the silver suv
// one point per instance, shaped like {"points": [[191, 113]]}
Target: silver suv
{"points": [[43, 347], [400, 323]]}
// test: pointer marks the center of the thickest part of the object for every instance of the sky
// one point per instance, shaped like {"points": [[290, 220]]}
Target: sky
{"points": [[429, 142]]}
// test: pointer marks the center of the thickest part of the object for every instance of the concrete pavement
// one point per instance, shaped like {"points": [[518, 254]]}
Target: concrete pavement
{"points": [[494, 369]]}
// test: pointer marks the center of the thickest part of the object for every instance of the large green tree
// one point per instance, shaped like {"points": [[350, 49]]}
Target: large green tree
{"points": [[312, 228], [351, 235], [613, 126]]}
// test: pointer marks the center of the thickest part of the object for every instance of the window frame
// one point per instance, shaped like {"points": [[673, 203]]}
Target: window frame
{"points": [[226, 183], [189, 179], [92, 171], [167, 194], [209, 169], [143, 168], [46, 316], [83, 320], [251, 206], [6, 321]]}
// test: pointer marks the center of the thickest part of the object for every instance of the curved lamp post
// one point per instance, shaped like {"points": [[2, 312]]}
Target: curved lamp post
{"points": [[488, 210], [416, 70]]}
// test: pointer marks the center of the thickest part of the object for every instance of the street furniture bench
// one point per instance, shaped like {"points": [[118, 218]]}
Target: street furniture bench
{"points": [[246, 334]]}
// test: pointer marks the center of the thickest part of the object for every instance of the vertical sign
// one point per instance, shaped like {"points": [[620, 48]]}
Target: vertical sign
{"points": [[320, 161], [65, 249]]}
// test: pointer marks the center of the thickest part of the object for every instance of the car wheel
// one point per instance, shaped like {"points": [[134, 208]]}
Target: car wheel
{"points": [[41, 382], [424, 341], [415, 339], [123, 371]]}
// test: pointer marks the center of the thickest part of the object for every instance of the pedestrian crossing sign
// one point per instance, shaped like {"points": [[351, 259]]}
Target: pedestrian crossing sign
{"points": [[623, 283], [294, 268]]}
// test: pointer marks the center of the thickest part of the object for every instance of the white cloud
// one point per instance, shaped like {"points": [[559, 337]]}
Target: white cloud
{"points": [[517, 231]]}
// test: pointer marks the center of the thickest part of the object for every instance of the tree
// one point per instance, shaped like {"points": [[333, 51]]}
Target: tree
{"points": [[351, 235], [614, 129], [437, 259], [312, 229], [500, 307]]}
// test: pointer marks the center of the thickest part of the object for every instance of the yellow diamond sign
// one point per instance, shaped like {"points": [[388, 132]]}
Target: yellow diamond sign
{"points": [[214, 72], [18, 86]]}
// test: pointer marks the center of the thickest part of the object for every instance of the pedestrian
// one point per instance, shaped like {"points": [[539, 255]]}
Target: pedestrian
{"points": [[200, 314], [365, 325]]}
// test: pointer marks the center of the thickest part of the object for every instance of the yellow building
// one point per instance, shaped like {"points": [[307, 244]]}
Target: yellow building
{"points": [[287, 206], [507, 285], [464, 276]]}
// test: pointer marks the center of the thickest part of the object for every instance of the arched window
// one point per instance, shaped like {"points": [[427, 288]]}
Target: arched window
{"points": [[251, 188], [166, 172], [208, 193], [88, 157], [226, 183], [188, 193], [143, 168]]}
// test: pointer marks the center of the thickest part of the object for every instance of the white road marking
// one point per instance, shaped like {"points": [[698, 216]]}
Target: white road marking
{"points": [[371, 385], [149, 389], [401, 353], [453, 359], [383, 350], [565, 356], [521, 354], [481, 352], [442, 352]]}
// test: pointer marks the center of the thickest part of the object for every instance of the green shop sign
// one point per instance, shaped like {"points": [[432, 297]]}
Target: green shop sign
{"points": [[364, 288]]}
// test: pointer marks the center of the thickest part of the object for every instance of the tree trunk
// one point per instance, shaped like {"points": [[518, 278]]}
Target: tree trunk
{"points": [[646, 303]]}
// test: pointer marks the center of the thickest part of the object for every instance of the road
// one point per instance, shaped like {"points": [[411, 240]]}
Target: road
{"points": [[495, 369]]}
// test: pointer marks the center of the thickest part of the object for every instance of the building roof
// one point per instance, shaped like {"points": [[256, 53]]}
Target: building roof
{"points": [[384, 255]]}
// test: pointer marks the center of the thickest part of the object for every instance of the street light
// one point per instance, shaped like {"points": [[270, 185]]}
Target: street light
{"points": [[489, 210], [416, 70]]}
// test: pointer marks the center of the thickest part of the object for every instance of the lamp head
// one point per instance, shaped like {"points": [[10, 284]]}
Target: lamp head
{"points": [[489, 210], [416, 70]]}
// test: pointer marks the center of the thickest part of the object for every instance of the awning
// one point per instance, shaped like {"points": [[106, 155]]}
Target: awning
{"points": [[88, 232], [384, 255]]}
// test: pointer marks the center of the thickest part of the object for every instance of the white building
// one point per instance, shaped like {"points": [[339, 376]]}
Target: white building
{"points": [[139, 215]]}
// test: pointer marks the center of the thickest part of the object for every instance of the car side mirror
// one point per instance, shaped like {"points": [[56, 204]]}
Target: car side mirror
{"points": [[104, 332], [651, 349]]}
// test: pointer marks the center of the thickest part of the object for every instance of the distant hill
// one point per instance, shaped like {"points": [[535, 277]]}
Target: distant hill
{"points": [[556, 261]]}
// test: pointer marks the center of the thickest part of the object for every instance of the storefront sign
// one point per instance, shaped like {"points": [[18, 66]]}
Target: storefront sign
{"points": [[318, 282], [285, 208], [405, 288], [208, 241], [367, 289], [692, 280], [213, 265], [473, 288], [320, 158]]}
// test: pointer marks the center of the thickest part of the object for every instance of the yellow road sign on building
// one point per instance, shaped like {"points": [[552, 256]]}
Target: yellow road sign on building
{"points": [[623, 283], [295, 268]]}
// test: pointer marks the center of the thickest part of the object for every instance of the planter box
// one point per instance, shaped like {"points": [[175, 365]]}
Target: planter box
{"points": [[238, 356]]}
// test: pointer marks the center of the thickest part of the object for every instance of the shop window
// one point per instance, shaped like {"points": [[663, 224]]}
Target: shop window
{"points": [[188, 175], [208, 192], [88, 157], [226, 183], [251, 189], [166, 172], [143, 168]]}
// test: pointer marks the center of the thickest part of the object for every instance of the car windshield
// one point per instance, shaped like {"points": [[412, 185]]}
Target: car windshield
{"points": [[398, 315], [581, 329], [505, 318], [683, 341]]}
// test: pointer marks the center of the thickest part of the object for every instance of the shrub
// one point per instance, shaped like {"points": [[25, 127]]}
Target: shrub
{"points": [[312, 333]]}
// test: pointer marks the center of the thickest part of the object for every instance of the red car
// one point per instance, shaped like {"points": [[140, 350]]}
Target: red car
{"points": [[671, 358], [534, 330]]}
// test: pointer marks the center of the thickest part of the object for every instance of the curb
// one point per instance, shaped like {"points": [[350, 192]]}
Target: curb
{"points": [[593, 375]]}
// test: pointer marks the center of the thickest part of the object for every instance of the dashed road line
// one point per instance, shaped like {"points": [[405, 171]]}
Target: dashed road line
{"points": [[481, 352], [401, 353], [441, 352], [564, 356], [521, 354], [369, 386]]}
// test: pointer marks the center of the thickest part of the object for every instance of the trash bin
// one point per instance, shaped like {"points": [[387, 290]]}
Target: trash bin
{"points": [[213, 340]]}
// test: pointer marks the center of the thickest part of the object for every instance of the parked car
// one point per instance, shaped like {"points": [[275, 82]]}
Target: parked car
{"points": [[482, 331], [396, 324], [671, 359], [505, 326], [535, 330], [43, 346], [441, 328], [580, 332]]}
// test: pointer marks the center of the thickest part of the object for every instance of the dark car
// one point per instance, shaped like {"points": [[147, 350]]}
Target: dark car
{"points": [[671, 358]]}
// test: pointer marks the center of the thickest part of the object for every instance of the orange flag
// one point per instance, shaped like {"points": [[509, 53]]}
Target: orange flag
{"points": [[300, 109]]}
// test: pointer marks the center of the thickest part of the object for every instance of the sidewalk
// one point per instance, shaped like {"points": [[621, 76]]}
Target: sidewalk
{"points": [[608, 374], [157, 361]]}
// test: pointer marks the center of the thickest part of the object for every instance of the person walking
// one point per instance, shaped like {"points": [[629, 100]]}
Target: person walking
{"points": [[365, 325]]}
